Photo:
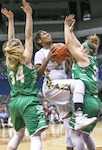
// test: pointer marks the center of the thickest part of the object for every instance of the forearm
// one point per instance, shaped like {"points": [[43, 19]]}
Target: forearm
{"points": [[69, 62], [29, 26], [41, 69], [67, 34], [11, 32], [75, 41], [10, 16]]}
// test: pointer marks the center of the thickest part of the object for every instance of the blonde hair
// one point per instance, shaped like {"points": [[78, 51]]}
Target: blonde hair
{"points": [[13, 52], [93, 42]]}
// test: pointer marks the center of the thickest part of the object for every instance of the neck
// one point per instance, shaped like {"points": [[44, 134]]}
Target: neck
{"points": [[47, 46]]}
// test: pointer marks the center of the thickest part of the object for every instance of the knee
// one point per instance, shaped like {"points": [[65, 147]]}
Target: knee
{"points": [[80, 82], [21, 133], [80, 87]]}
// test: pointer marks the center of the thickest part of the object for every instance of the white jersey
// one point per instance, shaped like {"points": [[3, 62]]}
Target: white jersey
{"points": [[55, 87], [54, 70]]}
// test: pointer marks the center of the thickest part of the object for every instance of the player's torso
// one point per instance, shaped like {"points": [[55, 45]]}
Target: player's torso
{"points": [[54, 69], [88, 75], [23, 80]]}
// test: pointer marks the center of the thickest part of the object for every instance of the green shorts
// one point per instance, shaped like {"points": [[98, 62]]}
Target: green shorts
{"points": [[92, 108], [27, 111]]}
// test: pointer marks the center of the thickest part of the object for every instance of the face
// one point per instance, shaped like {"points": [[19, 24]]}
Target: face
{"points": [[45, 38]]}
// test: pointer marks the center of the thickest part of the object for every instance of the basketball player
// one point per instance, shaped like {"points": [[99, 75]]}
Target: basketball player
{"points": [[57, 87], [85, 67], [74, 139], [26, 110]]}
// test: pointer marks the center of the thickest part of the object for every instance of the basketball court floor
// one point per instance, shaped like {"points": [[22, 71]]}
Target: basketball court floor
{"points": [[53, 138]]}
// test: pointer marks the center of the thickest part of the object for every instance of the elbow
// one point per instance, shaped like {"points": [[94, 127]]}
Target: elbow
{"points": [[67, 44], [38, 76]]}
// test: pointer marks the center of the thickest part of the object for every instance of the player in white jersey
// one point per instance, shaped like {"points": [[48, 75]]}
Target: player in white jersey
{"points": [[57, 88]]}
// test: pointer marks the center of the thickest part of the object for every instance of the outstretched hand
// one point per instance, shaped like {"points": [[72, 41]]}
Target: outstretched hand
{"points": [[72, 25], [26, 7], [70, 20], [8, 13]]}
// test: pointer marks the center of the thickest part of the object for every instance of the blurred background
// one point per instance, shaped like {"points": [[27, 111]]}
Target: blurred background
{"points": [[49, 15]]}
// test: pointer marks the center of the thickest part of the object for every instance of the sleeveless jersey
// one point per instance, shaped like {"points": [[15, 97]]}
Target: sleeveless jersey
{"points": [[88, 75], [23, 80]]}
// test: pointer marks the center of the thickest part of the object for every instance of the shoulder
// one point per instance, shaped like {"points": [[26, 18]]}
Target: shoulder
{"points": [[42, 53], [93, 59]]}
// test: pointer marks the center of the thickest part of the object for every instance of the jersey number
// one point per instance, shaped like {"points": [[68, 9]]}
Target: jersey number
{"points": [[19, 75]]}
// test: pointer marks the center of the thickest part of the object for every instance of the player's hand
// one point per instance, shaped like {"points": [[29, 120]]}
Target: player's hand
{"points": [[26, 7], [8, 13], [69, 20], [51, 53], [72, 25]]}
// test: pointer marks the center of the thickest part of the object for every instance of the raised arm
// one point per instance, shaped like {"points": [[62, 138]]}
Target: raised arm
{"points": [[10, 16], [28, 32], [75, 52], [75, 41]]}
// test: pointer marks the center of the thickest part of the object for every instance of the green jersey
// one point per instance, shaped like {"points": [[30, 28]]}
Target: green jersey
{"points": [[23, 80], [88, 75]]}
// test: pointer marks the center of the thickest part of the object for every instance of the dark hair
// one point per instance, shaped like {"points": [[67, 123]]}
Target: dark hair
{"points": [[36, 38]]}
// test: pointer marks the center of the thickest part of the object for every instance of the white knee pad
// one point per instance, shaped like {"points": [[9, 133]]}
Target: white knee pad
{"points": [[80, 87], [77, 86]]}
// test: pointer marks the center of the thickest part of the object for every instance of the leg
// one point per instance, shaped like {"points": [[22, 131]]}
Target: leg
{"points": [[79, 120], [69, 143], [16, 139], [78, 90], [89, 141], [73, 138], [36, 143], [77, 140]]}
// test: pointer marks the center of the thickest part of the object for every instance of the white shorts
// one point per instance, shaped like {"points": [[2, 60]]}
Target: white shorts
{"points": [[60, 91], [57, 91]]}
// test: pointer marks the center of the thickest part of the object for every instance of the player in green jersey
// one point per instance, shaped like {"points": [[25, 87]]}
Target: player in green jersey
{"points": [[26, 110], [84, 68]]}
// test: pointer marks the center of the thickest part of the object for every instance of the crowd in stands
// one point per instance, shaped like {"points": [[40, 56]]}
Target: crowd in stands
{"points": [[51, 113], [5, 120]]}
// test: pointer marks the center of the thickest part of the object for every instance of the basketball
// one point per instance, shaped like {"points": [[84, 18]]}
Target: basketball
{"points": [[60, 49]]}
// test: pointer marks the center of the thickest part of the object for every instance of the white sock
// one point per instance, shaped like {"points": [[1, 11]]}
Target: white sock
{"points": [[14, 142], [36, 143], [78, 113]]}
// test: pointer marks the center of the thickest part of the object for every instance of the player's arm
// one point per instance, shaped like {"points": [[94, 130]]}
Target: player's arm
{"points": [[75, 41], [10, 16], [77, 54], [28, 52], [42, 64], [69, 60]]}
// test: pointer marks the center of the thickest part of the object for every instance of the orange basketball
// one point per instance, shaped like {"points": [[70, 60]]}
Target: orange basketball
{"points": [[61, 52]]}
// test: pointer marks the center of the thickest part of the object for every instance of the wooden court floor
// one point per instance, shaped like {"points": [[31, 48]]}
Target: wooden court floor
{"points": [[53, 138]]}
